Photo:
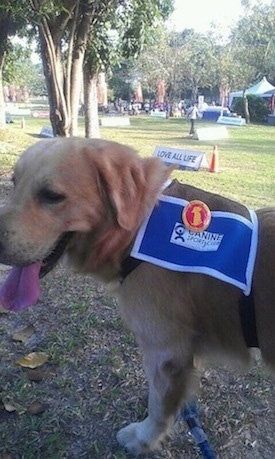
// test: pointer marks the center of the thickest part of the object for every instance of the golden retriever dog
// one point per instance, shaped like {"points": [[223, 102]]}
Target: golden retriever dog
{"points": [[84, 201]]}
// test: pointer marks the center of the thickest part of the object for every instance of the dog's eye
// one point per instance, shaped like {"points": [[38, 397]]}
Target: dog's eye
{"points": [[47, 196]]}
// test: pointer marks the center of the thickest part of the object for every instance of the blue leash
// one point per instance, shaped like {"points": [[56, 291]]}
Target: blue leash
{"points": [[191, 416]]}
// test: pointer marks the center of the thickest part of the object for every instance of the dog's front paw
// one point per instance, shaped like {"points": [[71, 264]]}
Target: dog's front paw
{"points": [[136, 438]]}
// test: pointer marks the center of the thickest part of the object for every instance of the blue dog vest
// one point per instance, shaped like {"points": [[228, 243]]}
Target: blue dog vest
{"points": [[226, 250]]}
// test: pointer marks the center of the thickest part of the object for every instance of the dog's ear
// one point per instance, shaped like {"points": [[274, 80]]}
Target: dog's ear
{"points": [[131, 184]]}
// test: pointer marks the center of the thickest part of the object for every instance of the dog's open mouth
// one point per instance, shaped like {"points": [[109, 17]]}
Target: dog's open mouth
{"points": [[22, 286], [50, 261]]}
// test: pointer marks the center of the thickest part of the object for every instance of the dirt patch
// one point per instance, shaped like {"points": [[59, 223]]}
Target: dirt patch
{"points": [[93, 384]]}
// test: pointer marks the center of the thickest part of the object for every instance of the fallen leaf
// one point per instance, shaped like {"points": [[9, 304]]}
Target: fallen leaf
{"points": [[36, 408], [33, 360], [37, 375], [8, 406], [12, 406], [24, 334]]}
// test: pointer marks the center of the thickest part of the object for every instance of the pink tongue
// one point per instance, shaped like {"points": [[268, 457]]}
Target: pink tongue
{"points": [[21, 288]]}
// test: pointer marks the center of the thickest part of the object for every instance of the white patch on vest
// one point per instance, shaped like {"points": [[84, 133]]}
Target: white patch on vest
{"points": [[203, 242]]}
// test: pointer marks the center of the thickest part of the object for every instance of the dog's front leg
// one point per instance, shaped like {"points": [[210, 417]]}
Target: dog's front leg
{"points": [[168, 387]]}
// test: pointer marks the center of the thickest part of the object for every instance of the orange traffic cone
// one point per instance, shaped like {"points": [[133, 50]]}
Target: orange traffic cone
{"points": [[214, 163]]}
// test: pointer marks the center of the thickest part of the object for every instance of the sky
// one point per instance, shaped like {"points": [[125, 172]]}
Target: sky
{"points": [[199, 14]]}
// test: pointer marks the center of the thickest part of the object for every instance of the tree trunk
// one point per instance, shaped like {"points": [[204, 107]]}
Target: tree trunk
{"points": [[53, 71], [194, 94], [4, 28], [91, 105], [76, 86], [61, 73], [246, 109], [77, 72], [2, 102]]}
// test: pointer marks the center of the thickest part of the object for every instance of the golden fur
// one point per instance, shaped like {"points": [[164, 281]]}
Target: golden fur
{"points": [[101, 192]]}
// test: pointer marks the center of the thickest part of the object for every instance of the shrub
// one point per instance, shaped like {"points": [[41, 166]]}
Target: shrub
{"points": [[257, 105]]}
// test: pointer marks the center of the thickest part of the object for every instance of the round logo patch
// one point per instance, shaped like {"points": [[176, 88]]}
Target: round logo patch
{"points": [[196, 216]]}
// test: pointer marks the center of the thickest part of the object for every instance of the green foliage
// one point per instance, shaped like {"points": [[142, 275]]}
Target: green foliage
{"points": [[13, 19], [190, 62], [131, 32], [140, 18], [258, 108], [120, 81], [253, 42], [21, 71], [186, 61], [16, 64], [121, 30]]}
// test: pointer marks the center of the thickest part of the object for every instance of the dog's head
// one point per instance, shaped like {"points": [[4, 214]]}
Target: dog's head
{"points": [[84, 197]]}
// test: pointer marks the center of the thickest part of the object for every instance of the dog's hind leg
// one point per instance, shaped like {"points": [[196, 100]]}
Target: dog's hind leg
{"points": [[168, 387]]}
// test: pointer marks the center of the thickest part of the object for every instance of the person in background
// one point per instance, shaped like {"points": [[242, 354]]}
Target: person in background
{"points": [[193, 114], [147, 108]]}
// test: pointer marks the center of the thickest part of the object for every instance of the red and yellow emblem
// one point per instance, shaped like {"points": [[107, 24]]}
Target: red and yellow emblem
{"points": [[196, 216]]}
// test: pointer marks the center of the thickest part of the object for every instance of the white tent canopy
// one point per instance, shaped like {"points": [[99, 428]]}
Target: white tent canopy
{"points": [[261, 88]]}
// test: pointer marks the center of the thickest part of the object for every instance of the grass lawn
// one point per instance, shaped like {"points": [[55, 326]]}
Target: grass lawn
{"points": [[246, 158], [72, 406]]}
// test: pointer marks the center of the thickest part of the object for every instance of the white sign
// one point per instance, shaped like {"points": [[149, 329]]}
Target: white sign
{"points": [[158, 114], [46, 131], [187, 159], [114, 121], [14, 111], [231, 120], [41, 114], [211, 133]]}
